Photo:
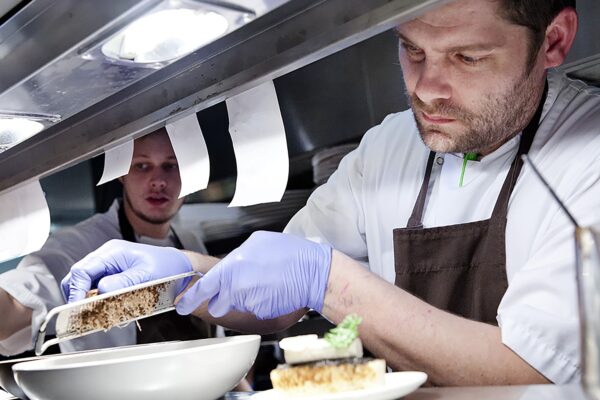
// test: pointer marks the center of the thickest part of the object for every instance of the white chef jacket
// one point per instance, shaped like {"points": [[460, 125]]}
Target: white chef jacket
{"points": [[35, 282], [375, 188]]}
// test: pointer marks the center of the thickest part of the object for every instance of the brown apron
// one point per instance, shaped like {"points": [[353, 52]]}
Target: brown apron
{"points": [[460, 268], [170, 325]]}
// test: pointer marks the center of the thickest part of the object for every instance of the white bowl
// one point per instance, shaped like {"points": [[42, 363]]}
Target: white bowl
{"points": [[7, 378], [196, 369]]}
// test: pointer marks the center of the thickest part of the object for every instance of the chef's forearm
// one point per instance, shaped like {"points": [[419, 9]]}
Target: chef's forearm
{"points": [[15, 316], [237, 321], [201, 262], [412, 335]]}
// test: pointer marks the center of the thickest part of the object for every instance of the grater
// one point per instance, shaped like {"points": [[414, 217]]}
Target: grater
{"points": [[105, 311]]}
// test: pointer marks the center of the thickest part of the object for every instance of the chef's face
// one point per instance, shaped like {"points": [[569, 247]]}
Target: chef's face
{"points": [[467, 76], [151, 188]]}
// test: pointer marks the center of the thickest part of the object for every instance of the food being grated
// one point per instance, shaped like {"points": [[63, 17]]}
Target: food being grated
{"points": [[113, 311]]}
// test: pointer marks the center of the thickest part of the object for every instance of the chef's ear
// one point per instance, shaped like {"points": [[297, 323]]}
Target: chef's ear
{"points": [[122, 180], [560, 35]]}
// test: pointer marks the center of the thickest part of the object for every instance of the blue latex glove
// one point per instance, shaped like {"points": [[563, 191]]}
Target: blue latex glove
{"points": [[118, 264], [270, 275]]}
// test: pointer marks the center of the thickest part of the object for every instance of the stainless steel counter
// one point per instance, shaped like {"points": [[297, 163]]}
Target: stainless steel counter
{"points": [[530, 392]]}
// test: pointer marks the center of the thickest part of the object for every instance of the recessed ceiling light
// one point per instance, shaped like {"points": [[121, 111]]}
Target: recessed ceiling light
{"points": [[165, 35], [15, 130]]}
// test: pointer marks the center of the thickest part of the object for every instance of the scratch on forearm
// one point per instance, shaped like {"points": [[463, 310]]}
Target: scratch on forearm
{"points": [[345, 288], [343, 297]]}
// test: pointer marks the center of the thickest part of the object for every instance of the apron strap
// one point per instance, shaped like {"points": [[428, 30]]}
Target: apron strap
{"points": [[416, 218], [124, 225]]}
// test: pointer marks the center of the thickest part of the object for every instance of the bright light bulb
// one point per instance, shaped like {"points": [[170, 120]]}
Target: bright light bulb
{"points": [[165, 35], [15, 130]]}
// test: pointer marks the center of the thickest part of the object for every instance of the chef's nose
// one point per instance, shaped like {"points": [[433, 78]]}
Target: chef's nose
{"points": [[433, 82], [158, 182]]}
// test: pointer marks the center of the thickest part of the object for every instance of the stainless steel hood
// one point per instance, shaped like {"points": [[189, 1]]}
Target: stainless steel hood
{"points": [[288, 36], [67, 71], [49, 65]]}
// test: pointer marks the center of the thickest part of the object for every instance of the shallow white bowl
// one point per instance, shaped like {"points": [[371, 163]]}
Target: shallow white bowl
{"points": [[196, 369], [7, 379]]}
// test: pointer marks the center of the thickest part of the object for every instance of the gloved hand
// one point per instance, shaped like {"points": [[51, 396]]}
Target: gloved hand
{"points": [[119, 264], [270, 275]]}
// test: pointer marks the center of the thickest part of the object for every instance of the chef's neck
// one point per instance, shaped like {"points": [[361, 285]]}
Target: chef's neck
{"points": [[143, 227], [495, 146]]}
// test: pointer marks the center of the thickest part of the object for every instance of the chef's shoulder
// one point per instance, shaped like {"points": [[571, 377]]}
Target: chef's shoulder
{"points": [[575, 116], [567, 146]]}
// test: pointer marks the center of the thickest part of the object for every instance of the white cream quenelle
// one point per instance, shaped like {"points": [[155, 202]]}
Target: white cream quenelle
{"points": [[307, 348]]}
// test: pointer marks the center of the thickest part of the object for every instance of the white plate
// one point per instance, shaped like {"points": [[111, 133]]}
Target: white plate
{"points": [[397, 384]]}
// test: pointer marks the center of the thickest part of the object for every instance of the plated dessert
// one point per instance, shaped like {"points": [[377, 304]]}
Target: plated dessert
{"points": [[331, 364]]}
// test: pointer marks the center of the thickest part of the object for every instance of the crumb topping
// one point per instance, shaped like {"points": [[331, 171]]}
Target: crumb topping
{"points": [[108, 313]]}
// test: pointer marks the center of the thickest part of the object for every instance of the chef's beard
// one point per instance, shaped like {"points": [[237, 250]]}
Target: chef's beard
{"points": [[158, 220], [500, 117]]}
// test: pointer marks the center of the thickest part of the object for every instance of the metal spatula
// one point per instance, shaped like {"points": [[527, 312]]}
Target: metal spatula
{"points": [[105, 311]]}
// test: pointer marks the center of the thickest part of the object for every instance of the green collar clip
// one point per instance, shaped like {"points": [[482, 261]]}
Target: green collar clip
{"points": [[468, 157]]}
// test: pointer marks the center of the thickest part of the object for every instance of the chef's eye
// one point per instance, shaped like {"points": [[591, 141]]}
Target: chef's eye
{"points": [[469, 60], [169, 167], [413, 52], [141, 166]]}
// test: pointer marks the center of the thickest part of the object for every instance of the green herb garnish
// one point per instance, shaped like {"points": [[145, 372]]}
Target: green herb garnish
{"points": [[344, 334]]}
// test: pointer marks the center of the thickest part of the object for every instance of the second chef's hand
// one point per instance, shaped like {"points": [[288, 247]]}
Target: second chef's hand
{"points": [[119, 264]]}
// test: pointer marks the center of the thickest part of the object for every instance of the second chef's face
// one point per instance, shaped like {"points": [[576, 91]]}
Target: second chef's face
{"points": [[467, 76], [151, 188]]}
